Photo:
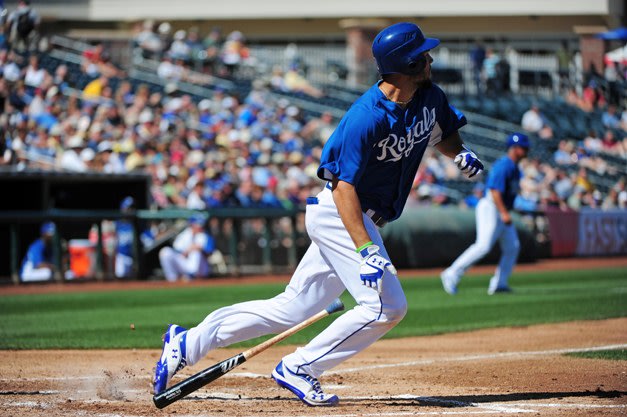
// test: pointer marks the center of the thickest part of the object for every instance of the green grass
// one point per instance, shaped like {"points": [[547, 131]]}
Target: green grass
{"points": [[102, 319], [614, 355]]}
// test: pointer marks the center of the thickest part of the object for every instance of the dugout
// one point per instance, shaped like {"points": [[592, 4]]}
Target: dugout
{"points": [[28, 194]]}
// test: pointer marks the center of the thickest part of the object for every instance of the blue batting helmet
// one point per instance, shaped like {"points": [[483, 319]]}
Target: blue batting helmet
{"points": [[48, 228], [127, 203], [518, 139], [398, 49]]}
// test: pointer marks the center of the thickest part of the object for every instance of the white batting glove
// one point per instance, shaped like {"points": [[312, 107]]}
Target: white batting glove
{"points": [[373, 266], [468, 163]]}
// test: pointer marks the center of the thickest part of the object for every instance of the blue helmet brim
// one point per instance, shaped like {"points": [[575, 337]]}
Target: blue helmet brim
{"points": [[428, 44]]}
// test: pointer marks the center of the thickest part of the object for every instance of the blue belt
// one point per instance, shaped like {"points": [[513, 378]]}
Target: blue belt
{"points": [[376, 217]]}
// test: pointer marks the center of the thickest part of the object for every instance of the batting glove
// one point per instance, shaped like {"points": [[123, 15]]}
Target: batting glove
{"points": [[468, 163], [373, 266]]}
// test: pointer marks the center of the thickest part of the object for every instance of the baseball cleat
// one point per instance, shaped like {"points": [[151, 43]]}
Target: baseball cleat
{"points": [[306, 387], [496, 287], [499, 290], [449, 283], [173, 357]]}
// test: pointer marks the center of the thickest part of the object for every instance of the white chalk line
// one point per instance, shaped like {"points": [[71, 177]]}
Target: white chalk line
{"points": [[356, 369], [454, 359], [146, 376], [407, 413], [463, 408], [222, 396], [478, 358], [475, 408]]}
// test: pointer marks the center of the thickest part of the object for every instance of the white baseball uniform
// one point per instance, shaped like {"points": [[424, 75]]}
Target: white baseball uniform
{"points": [[490, 228], [504, 178], [175, 264]]}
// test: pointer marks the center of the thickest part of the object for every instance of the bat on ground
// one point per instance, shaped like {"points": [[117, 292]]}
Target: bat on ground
{"points": [[202, 378]]}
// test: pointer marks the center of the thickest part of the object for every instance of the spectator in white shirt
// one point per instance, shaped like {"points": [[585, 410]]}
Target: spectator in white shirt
{"points": [[71, 159], [195, 199], [533, 121], [34, 76]]}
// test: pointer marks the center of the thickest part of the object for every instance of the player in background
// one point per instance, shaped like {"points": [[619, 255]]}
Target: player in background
{"points": [[187, 257], [124, 232], [494, 221], [124, 235], [369, 164], [38, 264]]}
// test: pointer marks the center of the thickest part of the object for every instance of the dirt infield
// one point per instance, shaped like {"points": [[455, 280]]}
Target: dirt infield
{"points": [[494, 372], [488, 373]]}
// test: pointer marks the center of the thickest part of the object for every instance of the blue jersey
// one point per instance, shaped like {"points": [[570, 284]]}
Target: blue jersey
{"points": [[378, 145], [124, 232], [37, 253], [209, 245], [505, 178]]}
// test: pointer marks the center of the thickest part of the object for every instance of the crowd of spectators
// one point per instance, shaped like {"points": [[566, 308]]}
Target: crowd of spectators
{"points": [[544, 183], [185, 56], [561, 179], [185, 52], [226, 150], [222, 151]]}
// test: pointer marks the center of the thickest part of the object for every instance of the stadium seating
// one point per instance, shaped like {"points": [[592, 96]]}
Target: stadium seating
{"points": [[566, 120]]}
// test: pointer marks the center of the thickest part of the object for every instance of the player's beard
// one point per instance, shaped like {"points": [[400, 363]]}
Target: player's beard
{"points": [[423, 80], [424, 84]]}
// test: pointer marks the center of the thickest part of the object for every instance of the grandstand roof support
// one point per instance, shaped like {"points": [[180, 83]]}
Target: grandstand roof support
{"points": [[359, 36]]}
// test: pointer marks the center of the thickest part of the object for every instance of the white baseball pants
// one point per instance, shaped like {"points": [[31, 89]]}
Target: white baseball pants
{"points": [[175, 264], [490, 227], [32, 274], [123, 265], [329, 267]]}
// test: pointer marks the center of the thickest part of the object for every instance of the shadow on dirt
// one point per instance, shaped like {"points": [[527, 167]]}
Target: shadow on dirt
{"points": [[439, 401], [473, 400]]}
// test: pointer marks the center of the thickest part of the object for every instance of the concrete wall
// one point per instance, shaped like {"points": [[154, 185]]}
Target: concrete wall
{"points": [[302, 18], [291, 9]]}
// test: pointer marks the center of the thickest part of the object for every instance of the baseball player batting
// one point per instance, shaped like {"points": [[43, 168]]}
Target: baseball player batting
{"points": [[494, 221], [369, 163]]}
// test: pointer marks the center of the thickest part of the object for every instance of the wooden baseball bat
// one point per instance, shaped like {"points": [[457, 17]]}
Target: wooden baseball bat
{"points": [[202, 378]]}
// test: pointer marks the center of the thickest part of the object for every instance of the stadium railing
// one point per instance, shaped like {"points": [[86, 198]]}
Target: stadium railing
{"points": [[235, 264]]}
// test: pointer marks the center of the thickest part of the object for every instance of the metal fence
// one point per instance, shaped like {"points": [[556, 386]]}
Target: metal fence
{"points": [[251, 240], [326, 64], [532, 73]]}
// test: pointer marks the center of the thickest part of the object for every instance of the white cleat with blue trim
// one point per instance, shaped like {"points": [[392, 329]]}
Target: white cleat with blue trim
{"points": [[449, 282], [173, 357], [306, 387]]}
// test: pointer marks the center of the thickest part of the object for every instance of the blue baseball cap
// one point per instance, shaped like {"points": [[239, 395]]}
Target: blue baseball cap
{"points": [[48, 228], [197, 219], [127, 203], [518, 139]]}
